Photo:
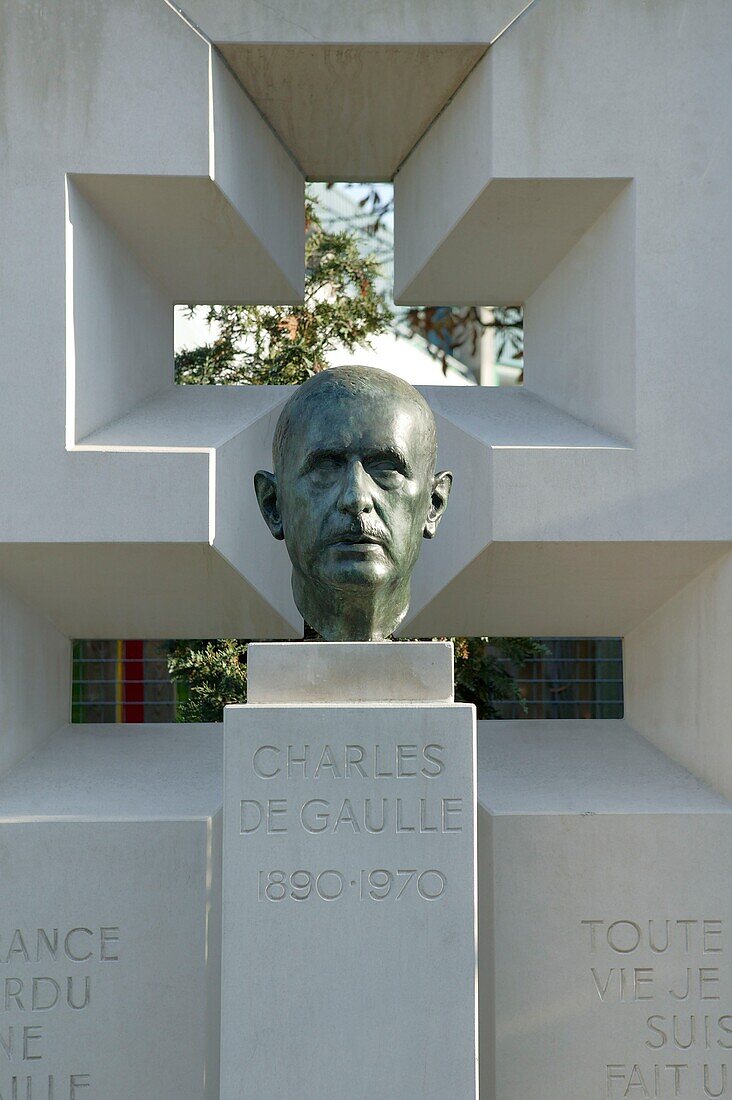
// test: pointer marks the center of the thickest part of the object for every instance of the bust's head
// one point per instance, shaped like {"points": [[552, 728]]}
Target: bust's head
{"points": [[354, 491]]}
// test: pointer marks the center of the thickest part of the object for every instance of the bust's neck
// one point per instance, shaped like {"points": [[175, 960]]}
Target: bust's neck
{"points": [[347, 615]]}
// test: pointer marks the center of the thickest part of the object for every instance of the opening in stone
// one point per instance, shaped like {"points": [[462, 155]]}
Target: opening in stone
{"points": [[349, 314]]}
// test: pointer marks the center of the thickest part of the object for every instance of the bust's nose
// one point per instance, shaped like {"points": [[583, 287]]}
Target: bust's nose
{"points": [[355, 494]]}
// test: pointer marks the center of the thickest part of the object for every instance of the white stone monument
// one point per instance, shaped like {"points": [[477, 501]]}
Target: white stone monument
{"points": [[349, 910], [605, 918], [110, 856], [569, 156]]}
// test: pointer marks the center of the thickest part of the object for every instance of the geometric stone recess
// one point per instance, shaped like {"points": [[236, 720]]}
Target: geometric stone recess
{"points": [[35, 686], [173, 186], [349, 878], [109, 915], [578, 198], [295, 85], [678, 690], [605, 924]]}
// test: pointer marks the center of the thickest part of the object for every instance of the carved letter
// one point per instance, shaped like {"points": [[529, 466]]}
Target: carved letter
{"points": [[354, 756], [31, 1034], [708, 975], [635, 936], [346, 816], [431, 755], [320, 816], [327, 760], [724, 1022], [722, 1086], [51, 944], [249, 809], [52, 994], [368, 825], [67, 944], [685, 994], [651, 930], [692, 1033], [297, 760], [276, 806], [13, 989], [711, 928], [635, 1081], [601, 989], [17, 946], [107, 936], [592, 924], [70, 992], [405, 754], [259, 767], [613, 1075], [654, 1027]]}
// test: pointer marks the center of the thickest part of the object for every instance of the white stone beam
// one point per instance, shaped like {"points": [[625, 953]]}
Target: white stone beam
{"points": [[35, 679], [678, 688], [572, 588], [352, 21]]}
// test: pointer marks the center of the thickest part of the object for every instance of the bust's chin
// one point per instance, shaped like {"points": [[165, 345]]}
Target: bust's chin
{"points": [[355, 577], [354, 567], [358, 601]]}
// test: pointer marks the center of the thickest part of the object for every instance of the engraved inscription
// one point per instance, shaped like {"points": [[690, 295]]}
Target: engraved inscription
{"points": [[45, 975], [376, 885], [367, 815], [353, 762], [348, 761], [350, 829], [673, 970]]}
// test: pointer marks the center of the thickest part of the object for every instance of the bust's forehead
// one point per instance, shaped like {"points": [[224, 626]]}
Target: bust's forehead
{"points": [[373, 412], [346, 423]]}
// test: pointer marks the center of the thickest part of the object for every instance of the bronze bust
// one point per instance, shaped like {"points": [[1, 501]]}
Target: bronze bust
{"points": [[354, 491]]}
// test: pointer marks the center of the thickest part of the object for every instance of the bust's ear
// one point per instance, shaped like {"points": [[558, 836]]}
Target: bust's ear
{"points": [[440, 492], [265, 486]]}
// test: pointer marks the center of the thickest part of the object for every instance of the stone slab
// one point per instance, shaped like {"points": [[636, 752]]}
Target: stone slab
{"points": [[575, 767], [110, 917], [350, 672], [605, 918], [349, 947]]}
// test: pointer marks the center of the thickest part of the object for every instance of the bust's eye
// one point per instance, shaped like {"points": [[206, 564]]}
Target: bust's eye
{"points": [[385, 473], [325, 469]]}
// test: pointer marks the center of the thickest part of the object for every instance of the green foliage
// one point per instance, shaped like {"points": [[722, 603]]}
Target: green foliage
{"points": [[284, 345], [212, 674], [485, 670]]}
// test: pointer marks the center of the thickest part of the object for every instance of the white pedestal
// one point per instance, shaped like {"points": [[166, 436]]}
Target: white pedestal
{"points": [[349, 960], [605, 918], [109, 916]]}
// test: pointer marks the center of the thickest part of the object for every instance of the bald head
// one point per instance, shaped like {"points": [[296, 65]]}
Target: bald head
{"points": [[364, 386]]}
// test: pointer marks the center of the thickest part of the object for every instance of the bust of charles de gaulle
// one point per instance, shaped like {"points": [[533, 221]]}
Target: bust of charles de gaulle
{"points": [[353, 493]]}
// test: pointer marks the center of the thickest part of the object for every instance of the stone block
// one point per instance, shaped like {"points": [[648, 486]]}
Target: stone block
{"points": [[364, 672], [109, 916], [605, 918], [349, 893]]}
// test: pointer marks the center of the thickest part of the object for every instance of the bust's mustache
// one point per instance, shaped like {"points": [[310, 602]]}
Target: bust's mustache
{"points": [[360, 530]]}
